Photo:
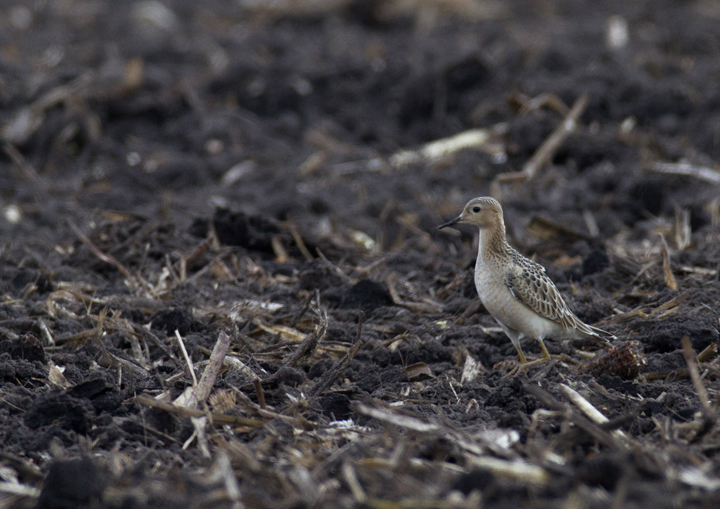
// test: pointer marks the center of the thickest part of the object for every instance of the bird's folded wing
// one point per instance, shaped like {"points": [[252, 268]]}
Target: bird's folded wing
{"points": [[529, 284]]}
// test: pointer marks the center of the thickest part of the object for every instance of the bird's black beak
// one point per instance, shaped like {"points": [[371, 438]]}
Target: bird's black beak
{"points": [[449, 223]]}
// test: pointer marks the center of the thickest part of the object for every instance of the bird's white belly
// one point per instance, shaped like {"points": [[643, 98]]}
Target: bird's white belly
{"points": [[508, 310]]}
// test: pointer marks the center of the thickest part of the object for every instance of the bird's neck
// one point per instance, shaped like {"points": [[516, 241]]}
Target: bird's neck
{"points": [[492, 243]]}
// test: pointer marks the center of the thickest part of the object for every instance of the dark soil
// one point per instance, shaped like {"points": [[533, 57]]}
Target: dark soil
{"points": [[231, 168]]}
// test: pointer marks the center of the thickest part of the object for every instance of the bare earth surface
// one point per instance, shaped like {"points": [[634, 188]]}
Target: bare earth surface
{"points": [[260, 177]]}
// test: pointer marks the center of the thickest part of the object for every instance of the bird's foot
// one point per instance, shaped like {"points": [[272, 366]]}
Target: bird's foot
{"points": [[527, 365], [563, 357], [539, 362]]}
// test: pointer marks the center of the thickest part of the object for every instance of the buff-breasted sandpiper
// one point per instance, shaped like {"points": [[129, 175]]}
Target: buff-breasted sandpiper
{"points": [[515, 290]]}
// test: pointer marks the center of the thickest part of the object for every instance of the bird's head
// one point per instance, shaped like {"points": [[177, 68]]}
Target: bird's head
{"points": [[483, 212]]}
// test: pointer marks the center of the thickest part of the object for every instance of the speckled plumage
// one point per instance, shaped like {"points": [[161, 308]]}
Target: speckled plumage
{"points": [[515, 290], [528, 282]]}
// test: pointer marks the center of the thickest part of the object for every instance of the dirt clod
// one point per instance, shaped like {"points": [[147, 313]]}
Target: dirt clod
{"points": [[71, 484]]}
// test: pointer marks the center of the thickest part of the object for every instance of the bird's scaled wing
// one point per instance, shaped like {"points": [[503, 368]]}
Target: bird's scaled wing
{"points": [[531, 286]]}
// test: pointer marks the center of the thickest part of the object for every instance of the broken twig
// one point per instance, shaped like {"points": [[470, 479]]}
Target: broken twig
{"points": [[547, 150], [667, 269], [587, 408], [691, 362], [333, 373], [686, 169], [132, 279], [582, 422], [215, 363], [310, 343], [217, 418]]}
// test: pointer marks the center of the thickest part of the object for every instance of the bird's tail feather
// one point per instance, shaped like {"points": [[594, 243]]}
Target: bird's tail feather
{"points": [[603, 334]]}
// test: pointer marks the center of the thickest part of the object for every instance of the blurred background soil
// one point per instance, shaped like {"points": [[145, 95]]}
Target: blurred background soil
{"points": [[276, 170]]}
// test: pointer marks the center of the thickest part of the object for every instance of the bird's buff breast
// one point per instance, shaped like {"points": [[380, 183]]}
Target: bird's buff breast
{"points": [[505, 308]]}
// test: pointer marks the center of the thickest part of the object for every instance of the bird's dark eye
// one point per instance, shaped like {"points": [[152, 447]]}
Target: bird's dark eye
{"points": [[476, 209]]}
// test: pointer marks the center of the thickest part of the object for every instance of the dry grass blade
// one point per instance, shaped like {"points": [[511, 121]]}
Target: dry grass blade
{"points": [[396, 419], [19, 490], [139, 354], [281, 254], [132, 279], [673, 303], [49, 338], [300, 243], [586, 407], [547, 150], [473, 138], [418, 371], [667, 269], [683, 230], [107, 359], [217, 418], [188, 361], [519, 470], [235, 363], [686, 169], [528, 105], [700, 271], [486, 140], [149, 336], [592, 429], [691, 362], [591, 223], [709, 414], [353, 483], [213, 368], [28, 171], [283, 331], [222, 470], [199, 433], [709, 353], [80, 337], [428, 307], [310, 343], [333, 373], [305, 307], [259, 393], [332, 267], [29, 119]]}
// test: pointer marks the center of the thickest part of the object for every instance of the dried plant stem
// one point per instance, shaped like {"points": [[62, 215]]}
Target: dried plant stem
{"points": [[703, 173], [333, 373], [217, 418], [586, 407], [215, 363], [132, 279], [188, 361], [547, 150], [691, 362], [667, 269], [310, 343]]}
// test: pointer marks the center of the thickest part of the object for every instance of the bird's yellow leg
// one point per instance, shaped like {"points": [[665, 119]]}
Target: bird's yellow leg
{"points": [[525, 364], [523, 359], [546, 355]]}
